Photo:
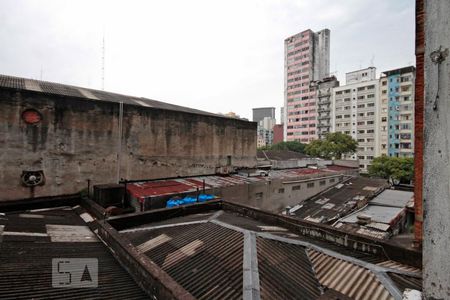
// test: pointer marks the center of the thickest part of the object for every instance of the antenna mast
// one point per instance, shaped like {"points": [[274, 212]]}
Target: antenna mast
{"points": [[103, 62]]}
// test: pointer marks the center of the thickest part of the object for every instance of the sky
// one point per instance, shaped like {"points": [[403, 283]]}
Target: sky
{"points": [[217, 56]]}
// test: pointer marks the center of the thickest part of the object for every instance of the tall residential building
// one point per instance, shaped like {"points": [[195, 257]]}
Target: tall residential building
{"points": [[397, 112], [306, 59], [282, 115], [278, 133], [265, 130], [324, 93], [354, 109], [261, 112]]}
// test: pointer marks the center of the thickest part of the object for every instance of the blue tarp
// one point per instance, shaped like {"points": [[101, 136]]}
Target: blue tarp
{"points": [[189, 200]]}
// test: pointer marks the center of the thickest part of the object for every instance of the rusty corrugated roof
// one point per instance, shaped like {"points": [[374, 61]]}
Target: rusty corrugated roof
{"points": [[166, 187]]}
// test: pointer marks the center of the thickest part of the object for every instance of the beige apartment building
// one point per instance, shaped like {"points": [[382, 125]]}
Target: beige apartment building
{"points": [[354, 109]]}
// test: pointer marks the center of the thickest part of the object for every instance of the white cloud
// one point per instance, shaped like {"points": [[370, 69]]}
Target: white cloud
{"points": [[217, 56]]}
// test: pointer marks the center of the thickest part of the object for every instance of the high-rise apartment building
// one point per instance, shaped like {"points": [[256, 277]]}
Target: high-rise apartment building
{"points": [[324, 93], [306, 59], [354, 108], [261, 112], [265, 116], [265, 130], [396, 112]]}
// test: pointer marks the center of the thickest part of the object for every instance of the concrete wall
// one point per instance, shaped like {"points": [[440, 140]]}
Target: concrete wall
{"points": [[276, 194], [77, 140], [436, 186]]}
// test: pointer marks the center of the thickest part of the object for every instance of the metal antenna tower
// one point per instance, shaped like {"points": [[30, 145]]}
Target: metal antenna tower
{"points": [[103, 61]]}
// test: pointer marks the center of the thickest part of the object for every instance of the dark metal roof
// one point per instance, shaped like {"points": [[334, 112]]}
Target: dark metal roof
{"points": [[406, 282], [339, 200], [58, 89], [285, 271], [27, 250], [206, 259], [210, 254]]}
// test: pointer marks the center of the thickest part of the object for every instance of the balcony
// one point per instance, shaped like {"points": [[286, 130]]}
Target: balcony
{"points": [[323, 117], [324, 101]]}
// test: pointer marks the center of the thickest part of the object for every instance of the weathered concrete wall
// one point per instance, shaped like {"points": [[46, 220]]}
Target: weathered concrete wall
{"points": [[77, 140], [276, 194], [436, 187]]}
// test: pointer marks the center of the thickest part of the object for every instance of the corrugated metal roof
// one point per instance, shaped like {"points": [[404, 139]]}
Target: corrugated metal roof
{"points": [[285, 271], [26, 259], [406, 282], [52, 88], [398, 266], [206, 259], [347, 278], [380, 214], [204, 253], [344, 198], [393, 198], [187, 185]]}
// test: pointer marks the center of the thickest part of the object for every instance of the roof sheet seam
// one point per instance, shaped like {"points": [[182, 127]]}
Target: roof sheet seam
{"points": [[251, 287]]}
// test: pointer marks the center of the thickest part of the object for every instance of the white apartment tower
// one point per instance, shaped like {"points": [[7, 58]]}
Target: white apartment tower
{"points": [[355, 109]]}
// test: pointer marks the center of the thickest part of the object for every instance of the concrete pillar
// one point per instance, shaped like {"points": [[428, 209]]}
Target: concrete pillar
{"points": [[436, 186]]}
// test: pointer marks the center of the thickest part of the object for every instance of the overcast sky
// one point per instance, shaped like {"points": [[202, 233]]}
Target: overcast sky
{"points": [[217, 56]]}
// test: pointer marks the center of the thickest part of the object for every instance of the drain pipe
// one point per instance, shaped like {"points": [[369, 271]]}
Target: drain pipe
{"points": [[119, 142]]}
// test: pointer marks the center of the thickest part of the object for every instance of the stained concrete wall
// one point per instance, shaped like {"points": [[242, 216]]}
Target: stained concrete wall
{"points": [[275, 195], [436, 191], [77, 140]]}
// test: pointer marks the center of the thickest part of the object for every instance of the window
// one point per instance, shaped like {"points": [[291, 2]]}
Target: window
{"points": [[296, 187], [310, 185], [332, 180], [280, 191], [322, 182], [258, 196]]}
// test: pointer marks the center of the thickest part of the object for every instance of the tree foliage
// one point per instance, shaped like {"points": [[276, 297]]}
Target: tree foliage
{"points": [[399, 168], [291, 146], [334, 145]]}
